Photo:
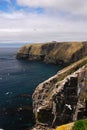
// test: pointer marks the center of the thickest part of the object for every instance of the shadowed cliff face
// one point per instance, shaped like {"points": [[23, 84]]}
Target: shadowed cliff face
{"points": [[57, 53], [58, 101]]}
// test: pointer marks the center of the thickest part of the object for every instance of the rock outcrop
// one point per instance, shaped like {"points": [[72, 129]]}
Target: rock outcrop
{"points": [[59, 100], [55, 52]]}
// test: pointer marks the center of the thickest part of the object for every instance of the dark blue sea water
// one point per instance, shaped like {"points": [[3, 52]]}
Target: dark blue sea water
{"points": [[18, 80]]}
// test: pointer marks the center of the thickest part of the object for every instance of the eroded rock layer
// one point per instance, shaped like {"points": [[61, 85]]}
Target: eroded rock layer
{"points": [[60, 99]]}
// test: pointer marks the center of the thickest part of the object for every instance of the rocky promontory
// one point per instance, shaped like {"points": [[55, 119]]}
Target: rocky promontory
{"points": [[59, 99], [54, 52]]}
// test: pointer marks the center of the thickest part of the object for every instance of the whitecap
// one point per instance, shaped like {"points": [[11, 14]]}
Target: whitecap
{"points": [[7, 93]]}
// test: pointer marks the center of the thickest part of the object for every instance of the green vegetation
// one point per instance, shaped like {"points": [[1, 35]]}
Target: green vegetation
{"points": [[54, 52], [67, 71], [72, 68], [80, 125]]}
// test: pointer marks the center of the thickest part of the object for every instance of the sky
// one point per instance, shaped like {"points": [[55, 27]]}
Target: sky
{"points": [[32, 21]]}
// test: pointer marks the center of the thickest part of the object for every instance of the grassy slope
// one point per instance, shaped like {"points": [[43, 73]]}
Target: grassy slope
{"points": [[65, 127], [67, 71], [78, 125], [72, 68], [57, 51]]}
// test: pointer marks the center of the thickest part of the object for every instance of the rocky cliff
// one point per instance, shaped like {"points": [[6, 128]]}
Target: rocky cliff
{"points": [[55, 52], [59, 100]]}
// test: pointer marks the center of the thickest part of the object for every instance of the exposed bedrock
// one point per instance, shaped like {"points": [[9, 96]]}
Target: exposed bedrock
{"points": [[59, 99], [54, 52]]}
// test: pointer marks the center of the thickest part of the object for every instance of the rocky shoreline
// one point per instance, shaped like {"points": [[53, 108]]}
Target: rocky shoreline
{"points": [[59, 99]]}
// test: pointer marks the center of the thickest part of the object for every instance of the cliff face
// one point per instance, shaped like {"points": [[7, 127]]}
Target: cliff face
{"points": [[59, 100], [58, 53]]}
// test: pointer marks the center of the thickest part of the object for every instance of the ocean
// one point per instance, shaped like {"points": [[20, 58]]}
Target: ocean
{"points": [[18, 80]]}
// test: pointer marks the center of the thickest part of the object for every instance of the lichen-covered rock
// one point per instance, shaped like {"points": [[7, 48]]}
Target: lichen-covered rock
{"points": [[55, 52], [59, 100]]}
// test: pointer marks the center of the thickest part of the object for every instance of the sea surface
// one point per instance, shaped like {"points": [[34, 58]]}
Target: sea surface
{"points": [[18, 80]]}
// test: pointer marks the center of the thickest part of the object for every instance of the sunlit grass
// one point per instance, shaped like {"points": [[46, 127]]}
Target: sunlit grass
{"points": [[65, 127]]}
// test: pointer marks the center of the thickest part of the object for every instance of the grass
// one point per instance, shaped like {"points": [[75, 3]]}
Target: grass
{"points": [[60, 51], [67, 71], [72, 68], [65, 127], [80, 125]]}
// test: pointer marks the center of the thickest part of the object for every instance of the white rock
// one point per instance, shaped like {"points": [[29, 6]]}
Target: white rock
{"points": [[69, 106]]}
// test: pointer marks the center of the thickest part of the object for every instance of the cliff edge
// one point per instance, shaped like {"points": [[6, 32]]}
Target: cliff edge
{"points": [[60, 99], [55, 52]]}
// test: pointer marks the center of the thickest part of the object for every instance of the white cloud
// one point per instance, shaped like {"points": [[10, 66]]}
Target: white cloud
{"points": [[74, 7], [8, 1], [62, 20], [27, 27]]}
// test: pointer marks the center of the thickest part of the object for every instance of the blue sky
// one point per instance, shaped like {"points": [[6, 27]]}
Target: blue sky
{"points": [[42, 20], [11, 5]]}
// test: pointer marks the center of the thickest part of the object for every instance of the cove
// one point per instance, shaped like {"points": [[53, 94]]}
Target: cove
{"points": [[18, 80]]}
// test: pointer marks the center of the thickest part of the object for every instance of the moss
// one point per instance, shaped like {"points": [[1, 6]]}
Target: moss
{"points": [[80, 125]]}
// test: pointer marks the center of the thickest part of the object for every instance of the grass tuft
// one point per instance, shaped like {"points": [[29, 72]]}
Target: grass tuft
{"points": [[80, 125]]}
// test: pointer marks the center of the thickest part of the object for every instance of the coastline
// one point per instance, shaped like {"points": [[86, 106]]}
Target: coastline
{"points": [[53, 89]]}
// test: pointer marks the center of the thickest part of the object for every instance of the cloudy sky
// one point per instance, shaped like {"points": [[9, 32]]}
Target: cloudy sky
{"points": [[43, 20]]}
